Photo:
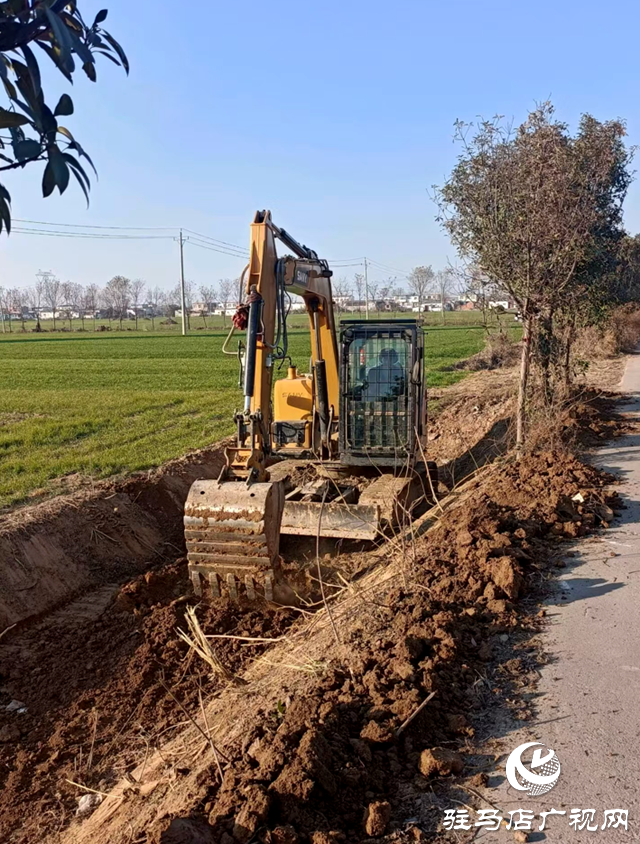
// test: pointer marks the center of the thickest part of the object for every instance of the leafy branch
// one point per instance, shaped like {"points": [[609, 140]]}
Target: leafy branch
{"points": [[34, 134]]}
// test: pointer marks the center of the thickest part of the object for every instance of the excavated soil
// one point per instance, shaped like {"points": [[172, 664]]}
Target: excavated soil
{"points": [[101, 697]]}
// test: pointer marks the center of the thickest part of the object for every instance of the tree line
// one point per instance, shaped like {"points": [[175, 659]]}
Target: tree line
{"points": [[123, 298], [537, 212], [119, 300]]}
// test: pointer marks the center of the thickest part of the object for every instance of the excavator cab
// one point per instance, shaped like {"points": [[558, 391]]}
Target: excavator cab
{"points": [[337, 452], [382, 411]]}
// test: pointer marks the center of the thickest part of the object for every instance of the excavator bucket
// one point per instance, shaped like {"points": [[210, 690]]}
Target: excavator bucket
{"points": [[232, 533]]}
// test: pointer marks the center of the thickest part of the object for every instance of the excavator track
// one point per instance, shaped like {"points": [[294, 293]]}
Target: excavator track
{"points": [[232, 534]]}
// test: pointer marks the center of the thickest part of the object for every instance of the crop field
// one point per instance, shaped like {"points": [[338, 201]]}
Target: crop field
{"points": [[78, 406]]}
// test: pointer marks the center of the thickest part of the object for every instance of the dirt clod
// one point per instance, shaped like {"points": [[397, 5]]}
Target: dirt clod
{"points": [[506, 576], [376, 818], [253, 813], [440, 762]]}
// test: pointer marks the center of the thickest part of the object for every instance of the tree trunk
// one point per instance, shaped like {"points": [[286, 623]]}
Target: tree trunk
{"points": [[442, 305], [566, 363], [545, 340], [204, 319], [525, 363]]}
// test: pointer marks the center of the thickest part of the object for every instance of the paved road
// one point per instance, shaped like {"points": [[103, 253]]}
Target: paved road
{"points": [[589, 704]]}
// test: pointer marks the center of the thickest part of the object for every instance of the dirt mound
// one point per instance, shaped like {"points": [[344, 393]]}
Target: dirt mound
{"points": [[500, 350], [55, 550], [338, 751], [341, 728], [101, 681]]}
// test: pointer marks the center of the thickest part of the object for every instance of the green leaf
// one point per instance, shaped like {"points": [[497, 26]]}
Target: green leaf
{"points": [[64, 131], [90, 69], [64, 107], [107, 56], [60, 169], [55, 58], [79, 173], [5, 210], [48, 180], [24, 150], [34, 70], [101, 16], [121, 54], [60, 34], [80, 47], [11, 118]]}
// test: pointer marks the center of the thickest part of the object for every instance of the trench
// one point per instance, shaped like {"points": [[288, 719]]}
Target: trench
{"points": [[93, 677]]}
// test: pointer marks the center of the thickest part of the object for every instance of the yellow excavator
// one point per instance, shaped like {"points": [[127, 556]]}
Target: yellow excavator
{"points": [[336, 453]]}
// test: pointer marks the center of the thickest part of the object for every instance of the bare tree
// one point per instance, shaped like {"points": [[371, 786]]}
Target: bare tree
{"points": [[443, 282], [5, 309], [189, 291], [52, 293], [105, 301], [208, 295], [420, 281], [373, 293], [118, 291], [535, 209], [36, 296], [156, 298], [90, 303], [341, 291], [18, 300], [70, 295], [358, 281], [225, 289], [135, 291]]}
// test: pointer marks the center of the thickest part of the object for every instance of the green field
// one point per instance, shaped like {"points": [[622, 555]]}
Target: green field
{"points": [[91, 405]]}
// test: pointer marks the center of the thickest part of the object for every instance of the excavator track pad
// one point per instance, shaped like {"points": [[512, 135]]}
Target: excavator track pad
{"points": [[232, 533]]}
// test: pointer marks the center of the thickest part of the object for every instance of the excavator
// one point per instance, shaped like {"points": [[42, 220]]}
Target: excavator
{"points": [[337, 453]]}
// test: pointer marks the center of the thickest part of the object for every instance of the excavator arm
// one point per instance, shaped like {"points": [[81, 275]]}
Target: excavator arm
{"points": [[269, 280], [232, 525]]}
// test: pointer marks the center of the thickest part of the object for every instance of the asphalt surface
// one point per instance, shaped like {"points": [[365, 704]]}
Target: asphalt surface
{"points": [[588, 706]]}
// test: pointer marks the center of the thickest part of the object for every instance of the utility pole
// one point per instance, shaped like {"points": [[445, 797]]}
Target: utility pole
{"points": [[366, 289], [182, 296]]}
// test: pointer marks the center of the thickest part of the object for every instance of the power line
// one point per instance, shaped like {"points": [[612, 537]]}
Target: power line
{"points": [[387, 268], [212, 245], [223, 242], [84, 226], [210, 248], [89, 236]]}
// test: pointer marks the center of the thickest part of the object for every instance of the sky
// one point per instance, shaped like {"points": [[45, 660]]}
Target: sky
{"points": [[338, 116]]}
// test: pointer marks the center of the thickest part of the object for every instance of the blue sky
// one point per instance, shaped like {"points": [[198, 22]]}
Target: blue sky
{"points": [[336, 115]]}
